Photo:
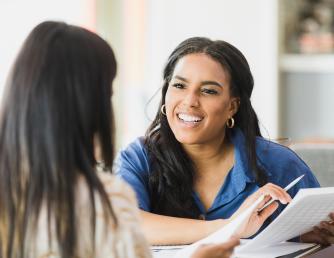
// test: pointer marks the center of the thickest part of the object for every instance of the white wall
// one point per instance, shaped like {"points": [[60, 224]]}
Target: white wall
{"points": [[249, 25], [149, 31], [18, 17]]}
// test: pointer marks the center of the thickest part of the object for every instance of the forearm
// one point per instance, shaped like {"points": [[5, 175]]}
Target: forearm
{"points": [[165, 230]]}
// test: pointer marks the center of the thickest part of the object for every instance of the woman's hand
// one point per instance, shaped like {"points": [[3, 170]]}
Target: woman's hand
{"points": [[224, 250], [256, 219], [321, 234]]}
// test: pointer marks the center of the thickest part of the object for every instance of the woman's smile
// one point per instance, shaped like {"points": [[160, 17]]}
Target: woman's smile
{"points": [[189, 120], [198, 100]]}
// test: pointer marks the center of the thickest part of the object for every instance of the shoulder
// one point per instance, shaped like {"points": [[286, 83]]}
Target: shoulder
{"points": [[124, 205], [132, 165], [270, 155], [134, 156], [273, 152], [119, 192], [136, 148], [282, 164]]}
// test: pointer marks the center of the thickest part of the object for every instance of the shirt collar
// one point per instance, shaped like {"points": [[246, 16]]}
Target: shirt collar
{"points": [[239, 176]]}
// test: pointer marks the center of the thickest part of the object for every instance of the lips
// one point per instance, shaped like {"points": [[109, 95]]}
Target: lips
{"points": [[189, 118]]}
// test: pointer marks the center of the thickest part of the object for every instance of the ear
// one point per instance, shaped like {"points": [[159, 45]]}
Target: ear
{"points": [[234, 105]]}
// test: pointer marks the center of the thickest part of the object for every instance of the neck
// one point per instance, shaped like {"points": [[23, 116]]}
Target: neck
{"points": [[208, 154]]}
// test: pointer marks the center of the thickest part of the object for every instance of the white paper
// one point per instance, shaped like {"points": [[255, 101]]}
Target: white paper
{"points": [[268, 252], [163, 253], [272, 251], [306, 210], [223, 234], [167, 247]]}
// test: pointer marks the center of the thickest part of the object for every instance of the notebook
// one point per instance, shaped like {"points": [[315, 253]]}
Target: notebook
{"points": [[307, 209]]}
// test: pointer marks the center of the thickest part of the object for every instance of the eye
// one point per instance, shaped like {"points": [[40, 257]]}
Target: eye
{"points": [[209, 91], [178, 85]]}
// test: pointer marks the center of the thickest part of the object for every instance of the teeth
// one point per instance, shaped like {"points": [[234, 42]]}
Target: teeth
{"points": [[188, 118]]}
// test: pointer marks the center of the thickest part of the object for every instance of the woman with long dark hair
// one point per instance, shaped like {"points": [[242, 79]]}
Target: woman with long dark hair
{"points": [[56, 108], [203, 155], [56, 121]]}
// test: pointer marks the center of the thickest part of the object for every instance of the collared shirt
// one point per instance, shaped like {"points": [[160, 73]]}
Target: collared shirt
{"points": [[280, 163]]}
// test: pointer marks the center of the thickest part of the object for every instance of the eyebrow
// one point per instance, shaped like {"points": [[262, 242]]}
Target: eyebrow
{"points": [[202, 83]]}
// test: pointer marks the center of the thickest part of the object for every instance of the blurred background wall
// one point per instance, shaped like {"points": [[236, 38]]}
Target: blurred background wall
{"points": [[288, 45], [18, 17]]}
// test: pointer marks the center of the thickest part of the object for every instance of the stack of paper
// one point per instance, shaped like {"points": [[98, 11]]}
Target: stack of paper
{"points": [[306, 210]]}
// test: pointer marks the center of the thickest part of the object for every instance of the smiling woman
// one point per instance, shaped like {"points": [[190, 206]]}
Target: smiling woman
{"points": [[203, 154], [198, 101], [56, 126]]}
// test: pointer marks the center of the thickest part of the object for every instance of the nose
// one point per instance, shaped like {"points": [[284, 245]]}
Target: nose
{"points": [[191, 99]]}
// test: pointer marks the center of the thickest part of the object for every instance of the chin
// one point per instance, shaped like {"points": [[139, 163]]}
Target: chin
{"points": [[188, 139]]}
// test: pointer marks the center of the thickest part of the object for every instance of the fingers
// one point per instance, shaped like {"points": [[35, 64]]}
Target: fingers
{"points": [[226, 249], [223, 250], [270, 191], [329, 226], [275, 192], [268, 211], [322, 235], [266, 199], [326, 229], [331, 215], [278, 193], [233, 242], [314, 236]]}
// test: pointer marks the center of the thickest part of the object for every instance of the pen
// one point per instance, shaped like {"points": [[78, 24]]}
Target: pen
{"points": [[287, 188]]}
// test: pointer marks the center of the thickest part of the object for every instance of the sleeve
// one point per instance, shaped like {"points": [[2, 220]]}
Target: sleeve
{"points": [[296, 167], [308, 181], [132, 166], [127, 239], [283, 166], [289, 166]]}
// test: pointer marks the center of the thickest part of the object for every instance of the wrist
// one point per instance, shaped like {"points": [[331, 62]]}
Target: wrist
{"points": [[214, 225]]}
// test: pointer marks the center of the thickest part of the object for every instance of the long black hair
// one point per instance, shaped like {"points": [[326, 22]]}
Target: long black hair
{"points": [[57, 103], [172, 177]]}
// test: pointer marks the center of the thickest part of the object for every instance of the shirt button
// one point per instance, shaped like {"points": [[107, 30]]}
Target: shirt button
{"points": [[201, 217]]}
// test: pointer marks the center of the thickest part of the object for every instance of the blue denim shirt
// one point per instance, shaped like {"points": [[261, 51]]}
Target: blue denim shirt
{"points": [[281, 164]]}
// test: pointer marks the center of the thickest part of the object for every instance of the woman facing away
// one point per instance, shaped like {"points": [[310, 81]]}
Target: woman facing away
{"points": [[203, 155], [56, 112]]}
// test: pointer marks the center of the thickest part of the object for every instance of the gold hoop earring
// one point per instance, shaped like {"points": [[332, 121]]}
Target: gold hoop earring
{"points": [[230, 122], [162, 109]]}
